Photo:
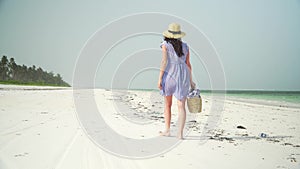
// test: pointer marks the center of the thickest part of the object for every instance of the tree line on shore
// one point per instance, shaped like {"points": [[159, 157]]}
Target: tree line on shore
{"points": [[12, 73]]}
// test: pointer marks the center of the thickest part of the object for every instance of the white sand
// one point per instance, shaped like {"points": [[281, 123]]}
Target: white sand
{"points": [[39, 129]]}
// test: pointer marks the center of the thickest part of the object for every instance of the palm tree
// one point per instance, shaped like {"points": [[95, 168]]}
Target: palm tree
{"points": [[12, 69], [39, 73], [4, 68], [24, 73]]}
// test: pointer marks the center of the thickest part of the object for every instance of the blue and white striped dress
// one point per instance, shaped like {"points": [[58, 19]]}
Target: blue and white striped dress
{"points": [[176, 78]]}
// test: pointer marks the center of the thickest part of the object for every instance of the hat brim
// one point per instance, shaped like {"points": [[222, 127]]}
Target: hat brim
{"points": [[171, 35]]}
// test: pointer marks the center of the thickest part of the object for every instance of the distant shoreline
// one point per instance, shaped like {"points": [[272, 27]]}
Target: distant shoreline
{"points": [[19, 87], [234, 91], [218, 91], [29, 84], [291, 98]]}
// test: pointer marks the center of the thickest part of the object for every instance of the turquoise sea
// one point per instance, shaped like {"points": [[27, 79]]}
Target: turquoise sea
{"points": [[286, 96]]}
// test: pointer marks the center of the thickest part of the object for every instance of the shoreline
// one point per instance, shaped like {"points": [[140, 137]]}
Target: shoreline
{"points": [[229, 97], [263, 102], [6, 87]]}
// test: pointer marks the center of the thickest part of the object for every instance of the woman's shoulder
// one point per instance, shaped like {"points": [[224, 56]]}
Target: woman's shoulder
{"points": [[164, 43], [185, 45]]}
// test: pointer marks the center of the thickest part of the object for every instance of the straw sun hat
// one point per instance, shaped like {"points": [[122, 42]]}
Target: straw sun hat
{"points": [[174, 31]]}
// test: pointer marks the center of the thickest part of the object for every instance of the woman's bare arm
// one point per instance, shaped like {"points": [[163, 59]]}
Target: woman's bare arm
{"points": [[188, 63], [163, 65]]}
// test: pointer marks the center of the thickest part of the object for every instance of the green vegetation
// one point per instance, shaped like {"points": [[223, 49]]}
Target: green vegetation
{"points": [[12, 73]]}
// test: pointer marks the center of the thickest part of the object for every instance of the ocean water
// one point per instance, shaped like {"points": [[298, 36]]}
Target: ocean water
{"points": [[285, 96]]}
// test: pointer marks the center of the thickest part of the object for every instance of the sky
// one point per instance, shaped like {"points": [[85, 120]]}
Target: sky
{"points": [[257, 42]]}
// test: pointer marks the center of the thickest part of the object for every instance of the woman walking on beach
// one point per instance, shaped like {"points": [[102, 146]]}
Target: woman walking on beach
{"points": [[175, 76]]}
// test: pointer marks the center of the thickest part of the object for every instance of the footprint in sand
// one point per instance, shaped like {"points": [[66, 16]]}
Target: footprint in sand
{"points": [[21, 155]]}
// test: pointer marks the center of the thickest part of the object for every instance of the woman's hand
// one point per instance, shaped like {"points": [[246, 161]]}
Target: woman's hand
{"points": [[159, 84]]}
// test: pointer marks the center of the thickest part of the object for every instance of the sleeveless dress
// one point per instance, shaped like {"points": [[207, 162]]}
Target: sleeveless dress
{"points": [[176, 78]]}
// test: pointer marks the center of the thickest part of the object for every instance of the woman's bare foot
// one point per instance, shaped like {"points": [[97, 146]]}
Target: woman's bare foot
{"points": [[165, 133], [180, 137]]}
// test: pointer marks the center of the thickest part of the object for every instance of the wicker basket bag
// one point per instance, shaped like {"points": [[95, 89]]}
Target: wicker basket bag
{"points": [[194, 101]]}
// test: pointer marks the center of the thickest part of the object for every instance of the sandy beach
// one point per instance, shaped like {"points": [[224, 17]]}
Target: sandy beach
{"points": [[40, 129]]}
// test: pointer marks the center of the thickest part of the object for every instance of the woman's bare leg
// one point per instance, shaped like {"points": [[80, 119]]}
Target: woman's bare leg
{"points": [[167, 113], [181, 117]]}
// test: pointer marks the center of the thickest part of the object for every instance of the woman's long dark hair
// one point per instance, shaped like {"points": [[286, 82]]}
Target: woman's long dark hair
{"points": [[177, 45]]}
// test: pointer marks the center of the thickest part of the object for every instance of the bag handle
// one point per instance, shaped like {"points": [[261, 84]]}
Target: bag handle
{"points": [[193, 85]]}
